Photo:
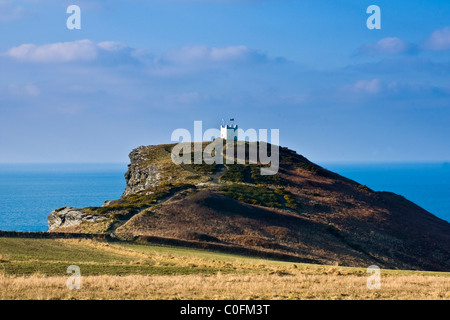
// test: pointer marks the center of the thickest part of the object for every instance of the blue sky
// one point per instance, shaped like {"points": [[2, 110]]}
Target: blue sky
{"points": [[137, 70]]}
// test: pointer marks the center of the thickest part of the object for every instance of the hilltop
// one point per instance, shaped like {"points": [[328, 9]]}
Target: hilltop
{"points": [[303, 213]]}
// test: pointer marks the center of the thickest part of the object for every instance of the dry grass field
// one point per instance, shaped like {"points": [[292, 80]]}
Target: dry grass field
{"points": [[251, 286], [36, 269]]}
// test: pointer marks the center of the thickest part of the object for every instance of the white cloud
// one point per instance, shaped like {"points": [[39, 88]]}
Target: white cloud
{"points": [[81, 50], [393, 91], [204, 54], [372, 86], [389, 46], [111, 46], [190, 59], [439, 40], [177, 61]]}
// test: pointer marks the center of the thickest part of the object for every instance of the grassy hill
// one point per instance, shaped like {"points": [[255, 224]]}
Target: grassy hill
{"points": [[36, 269], [304, 211]]}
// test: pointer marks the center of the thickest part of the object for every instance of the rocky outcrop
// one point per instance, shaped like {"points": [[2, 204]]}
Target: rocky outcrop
{"points": [[69, 217], [139, 175], [305, 211]]}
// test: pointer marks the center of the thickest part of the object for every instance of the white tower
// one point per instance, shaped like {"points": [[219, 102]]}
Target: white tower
{"points": [[228, 131]]}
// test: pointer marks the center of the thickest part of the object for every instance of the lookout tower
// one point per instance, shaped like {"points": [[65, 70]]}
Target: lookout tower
{"points": [[228, 131]]}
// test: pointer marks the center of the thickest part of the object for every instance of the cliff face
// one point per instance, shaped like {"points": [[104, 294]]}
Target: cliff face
{"points": [[304, 211], [140, 175]]}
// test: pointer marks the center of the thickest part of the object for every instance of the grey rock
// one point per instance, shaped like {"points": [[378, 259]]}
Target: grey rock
{"points": [[68, 217], [139, 176]]}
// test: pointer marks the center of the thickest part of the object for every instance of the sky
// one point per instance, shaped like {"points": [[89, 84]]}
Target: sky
{"points": [[139, 69]]}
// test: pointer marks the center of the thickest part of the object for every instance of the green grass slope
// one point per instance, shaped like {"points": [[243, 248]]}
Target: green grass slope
{"points": [[304, 210]]}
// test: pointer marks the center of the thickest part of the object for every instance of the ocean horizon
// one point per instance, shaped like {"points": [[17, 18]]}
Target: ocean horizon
{"points": [[427, 184], [29, 192]]}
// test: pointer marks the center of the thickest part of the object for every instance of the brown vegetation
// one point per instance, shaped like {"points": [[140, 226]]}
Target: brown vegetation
{"points": [[305, 211], [331, 285], [36, 269]]}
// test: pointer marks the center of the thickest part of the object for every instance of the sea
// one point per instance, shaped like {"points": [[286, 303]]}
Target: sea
{"points": [[425, 184], [29, 192]]}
